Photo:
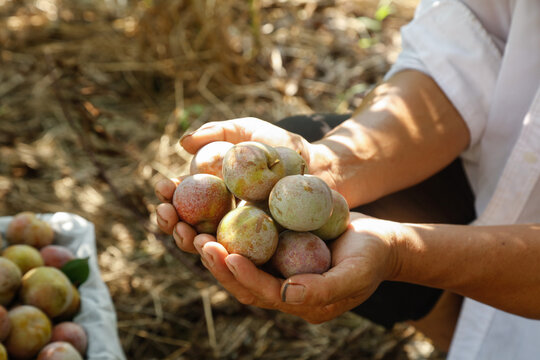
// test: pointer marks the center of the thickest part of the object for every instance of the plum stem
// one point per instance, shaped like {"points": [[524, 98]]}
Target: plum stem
{"points": [[274, 163]]}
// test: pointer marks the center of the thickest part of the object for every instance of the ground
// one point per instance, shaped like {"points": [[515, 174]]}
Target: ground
{"points": [[94, 97]]}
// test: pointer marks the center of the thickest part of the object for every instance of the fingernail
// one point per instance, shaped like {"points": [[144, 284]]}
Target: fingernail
{"points": [[162, 197], [293, 293], [177, 238], [198, 248], [231, 267], [185, 136], [208, 258], [161, 219], [158, 195]]}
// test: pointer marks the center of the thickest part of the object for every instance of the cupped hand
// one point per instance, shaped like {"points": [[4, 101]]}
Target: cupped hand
{"points": [[234, 131], [361, 258]]}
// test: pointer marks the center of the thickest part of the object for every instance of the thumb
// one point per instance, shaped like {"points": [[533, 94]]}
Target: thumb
{"points": [[345, 281], [233, 131]]}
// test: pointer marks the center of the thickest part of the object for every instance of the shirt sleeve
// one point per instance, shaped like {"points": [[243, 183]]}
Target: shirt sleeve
{"points": [[447, 42]]}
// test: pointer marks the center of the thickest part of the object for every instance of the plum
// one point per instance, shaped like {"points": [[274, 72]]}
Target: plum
{"points": [[338, 221], [251, 169], [301, 202], [10, 280], [59, 350], [5, 323], [209, 159], [72, 333], [48, 289], [26, 257], [250, 232], [30, 331], [301, 253], [56, 255], [26, 228], [202, 200], [294, 163]]}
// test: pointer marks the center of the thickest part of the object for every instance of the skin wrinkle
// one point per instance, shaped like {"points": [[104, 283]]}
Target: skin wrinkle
{"points": [[481, 265], [421, 260], [177, 237], [404, 137]]}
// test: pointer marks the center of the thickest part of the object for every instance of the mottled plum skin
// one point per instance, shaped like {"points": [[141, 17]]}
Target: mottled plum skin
{"points": [[59, 350], [26, 228], [48, 289], [5, 323], [338, 221], [18, 225], [30, 332], [202, 200], [250, 232], [251, 169], [26, 257], [301, 253], [72, 333], [56, 255], [263, 205], [10, 280], [209, 159], [293, 162], [301, 202]]}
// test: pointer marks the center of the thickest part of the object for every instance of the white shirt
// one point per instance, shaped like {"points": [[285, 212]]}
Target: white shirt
{"points": [[485, 55]]}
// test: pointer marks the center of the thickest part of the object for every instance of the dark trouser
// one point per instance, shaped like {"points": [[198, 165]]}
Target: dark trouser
{"points": [[446, 197]]}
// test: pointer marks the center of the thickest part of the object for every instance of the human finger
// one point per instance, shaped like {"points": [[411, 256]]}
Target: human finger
{"points": [[213, 257], [339, 283], [233, 131], [166, 217], [184, 236], [164, 188], [261, 284], [266, 291], [243, 129]]}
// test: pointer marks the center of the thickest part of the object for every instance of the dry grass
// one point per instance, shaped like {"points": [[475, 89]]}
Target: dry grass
{"points": [[94, 96]]}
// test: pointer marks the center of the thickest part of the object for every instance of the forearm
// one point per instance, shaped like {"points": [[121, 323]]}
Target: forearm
{"points": [[496, 265], [405, 131]]}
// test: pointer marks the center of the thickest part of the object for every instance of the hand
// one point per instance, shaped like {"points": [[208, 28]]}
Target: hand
{"points": [[244, 129], [361, 259], [234, 131], [167, 217]]}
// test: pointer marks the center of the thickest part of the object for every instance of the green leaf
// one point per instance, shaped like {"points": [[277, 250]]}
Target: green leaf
{"points": [[77, 271]]}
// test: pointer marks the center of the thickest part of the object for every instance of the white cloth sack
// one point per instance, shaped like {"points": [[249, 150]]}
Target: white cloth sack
{"points": [[97, 314]]}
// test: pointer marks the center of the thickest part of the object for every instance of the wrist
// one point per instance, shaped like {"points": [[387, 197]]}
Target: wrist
{"points": [[396, 239], [319, 160], [412, 263], [351, 164], [382, 240]]}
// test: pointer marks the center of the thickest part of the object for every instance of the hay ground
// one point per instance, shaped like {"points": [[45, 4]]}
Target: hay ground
{"points": [[94, 96]]}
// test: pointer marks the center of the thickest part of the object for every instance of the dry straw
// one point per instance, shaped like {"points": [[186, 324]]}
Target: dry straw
{"points": [[93, 98]]}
